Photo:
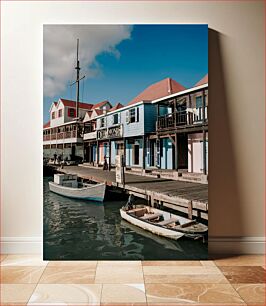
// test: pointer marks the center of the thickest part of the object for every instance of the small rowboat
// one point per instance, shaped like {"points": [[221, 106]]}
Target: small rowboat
{"points": [[163, 223], [67, 185]]}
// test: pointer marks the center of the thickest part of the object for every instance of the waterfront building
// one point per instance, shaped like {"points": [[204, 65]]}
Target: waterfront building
{"points": [[89, 130], [126, 130], [182, 130], [62, 134]]}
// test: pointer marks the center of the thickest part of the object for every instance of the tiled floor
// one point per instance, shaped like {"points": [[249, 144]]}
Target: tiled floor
{"points": [[232, 280]]}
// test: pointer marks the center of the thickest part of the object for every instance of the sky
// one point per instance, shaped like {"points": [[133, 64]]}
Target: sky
{"points": [[120, 61]]}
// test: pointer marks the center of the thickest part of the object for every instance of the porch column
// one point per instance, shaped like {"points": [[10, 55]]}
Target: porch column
{"points": [[176, 152], [124, 152], [190, 115], [204, 153], [203, 105], [97, 153], [109, 168], [143, 152]]}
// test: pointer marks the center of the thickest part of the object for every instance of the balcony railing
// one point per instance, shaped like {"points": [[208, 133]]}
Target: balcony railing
{"points": [[182, 118], [62, 135]]}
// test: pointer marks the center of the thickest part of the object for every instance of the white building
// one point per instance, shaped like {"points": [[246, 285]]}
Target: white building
{"points": [[62, 135]]}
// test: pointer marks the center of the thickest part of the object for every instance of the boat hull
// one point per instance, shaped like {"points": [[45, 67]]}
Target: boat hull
{"points": [[92, 193], [161, 231]]}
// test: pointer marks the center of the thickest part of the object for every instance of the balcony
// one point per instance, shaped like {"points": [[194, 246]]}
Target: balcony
{"points": [[60, 136], [189, 117]]}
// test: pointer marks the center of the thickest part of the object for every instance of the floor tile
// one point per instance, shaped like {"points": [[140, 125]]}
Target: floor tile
{"points": [[2, 256], [24, 260], [16, 293], [208, 263], [192, 293], [242, 260], [123, 293], [73, 263], [68, 275], [251, 293], [182, 275], [119, 263], [171, 263], [248, 274], [21, 275], [113, 274], [73, 294]]}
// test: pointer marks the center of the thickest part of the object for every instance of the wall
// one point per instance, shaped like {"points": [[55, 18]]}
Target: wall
{"points": [[236, 114]]}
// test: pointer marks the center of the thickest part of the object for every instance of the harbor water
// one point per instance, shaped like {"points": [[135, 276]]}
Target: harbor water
{"points": [[83, 230]]}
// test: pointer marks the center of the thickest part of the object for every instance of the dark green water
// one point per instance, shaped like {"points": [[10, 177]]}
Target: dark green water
{"points": [[83, 230]]}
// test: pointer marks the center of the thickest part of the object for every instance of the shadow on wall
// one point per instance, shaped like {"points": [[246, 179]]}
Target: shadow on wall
{"points": [[224, 193]]}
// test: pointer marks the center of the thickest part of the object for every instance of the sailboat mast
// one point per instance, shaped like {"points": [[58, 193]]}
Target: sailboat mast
{"points": [[77, 81]]}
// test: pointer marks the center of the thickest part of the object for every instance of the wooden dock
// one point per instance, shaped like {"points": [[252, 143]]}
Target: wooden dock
{"points": [[187, 197]]}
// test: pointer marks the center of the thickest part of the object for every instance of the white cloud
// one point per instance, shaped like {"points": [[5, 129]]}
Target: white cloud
{"points": [[60, 51]]}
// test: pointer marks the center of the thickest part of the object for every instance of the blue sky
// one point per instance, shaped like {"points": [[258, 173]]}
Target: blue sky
{"points": [[150, 54]]}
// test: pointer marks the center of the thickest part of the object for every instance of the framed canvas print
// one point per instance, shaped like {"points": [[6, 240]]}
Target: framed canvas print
{"points": [[125, 142]]}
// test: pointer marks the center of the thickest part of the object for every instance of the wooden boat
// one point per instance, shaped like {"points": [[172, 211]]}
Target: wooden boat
{"points": [[67, 185], [167, 243], [162, 222]]}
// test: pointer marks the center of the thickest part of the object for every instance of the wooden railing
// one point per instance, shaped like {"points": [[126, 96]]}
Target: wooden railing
{"points": [[61, 135], [181, 118]]}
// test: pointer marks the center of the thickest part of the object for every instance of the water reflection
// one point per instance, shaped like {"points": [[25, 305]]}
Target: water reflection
{"points": [[75, 229]]}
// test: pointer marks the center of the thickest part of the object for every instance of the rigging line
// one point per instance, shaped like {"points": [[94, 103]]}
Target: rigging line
{"points": [[83, 89]]}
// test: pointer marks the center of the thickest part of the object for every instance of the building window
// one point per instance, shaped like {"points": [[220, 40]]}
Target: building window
{"points": [[60, 113], [53, 115], [199, 102], [115, 119], [71, 112], [102, 122], [132, 115]]}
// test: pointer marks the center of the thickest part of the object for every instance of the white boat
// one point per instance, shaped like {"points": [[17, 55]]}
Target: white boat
{"points": [[162, 222], [67, 185]]}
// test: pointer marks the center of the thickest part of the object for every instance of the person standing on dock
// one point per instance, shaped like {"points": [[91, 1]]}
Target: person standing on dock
{"points": [[55, 156], [105, 165]]}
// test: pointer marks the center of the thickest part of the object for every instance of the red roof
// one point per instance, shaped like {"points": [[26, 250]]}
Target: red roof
{"points": [[73, 104], [204, 80], [117, 106], [158, 90], [100, 104], [99, 111], [46, 125]]}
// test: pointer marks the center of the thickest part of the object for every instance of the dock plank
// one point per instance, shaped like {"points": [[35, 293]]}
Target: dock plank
{"points": [[179, 193]]}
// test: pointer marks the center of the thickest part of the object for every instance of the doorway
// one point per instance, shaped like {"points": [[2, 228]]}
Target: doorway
{"points": [[136, 154]]}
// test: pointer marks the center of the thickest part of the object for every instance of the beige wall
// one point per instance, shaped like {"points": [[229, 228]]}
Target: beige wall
{"points": [[236, 111]]}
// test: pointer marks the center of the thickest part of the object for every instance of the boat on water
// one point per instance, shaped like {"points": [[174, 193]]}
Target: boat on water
{"points": [[162, 222], [67, 185]]}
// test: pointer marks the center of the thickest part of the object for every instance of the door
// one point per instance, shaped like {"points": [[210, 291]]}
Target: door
{"points": [[136, 154], [197, 157], [152, 153]]}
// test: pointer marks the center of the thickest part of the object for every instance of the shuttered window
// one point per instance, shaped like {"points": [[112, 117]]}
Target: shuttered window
{"points": [[71, 112]]}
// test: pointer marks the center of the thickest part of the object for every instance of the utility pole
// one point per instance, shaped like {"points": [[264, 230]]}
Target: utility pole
{"points": [[77, 81]]}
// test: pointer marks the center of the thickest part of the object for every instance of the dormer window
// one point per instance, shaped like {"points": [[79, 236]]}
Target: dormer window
{"points": [[53, 115], [71, 112], [60, 113]]}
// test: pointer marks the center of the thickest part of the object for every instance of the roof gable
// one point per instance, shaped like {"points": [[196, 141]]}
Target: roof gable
{"points": [[116, 107], [101, 104], [204, 80], [53, 105], [46, 125], [157, 90], [71, 103], [87, 116]]}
